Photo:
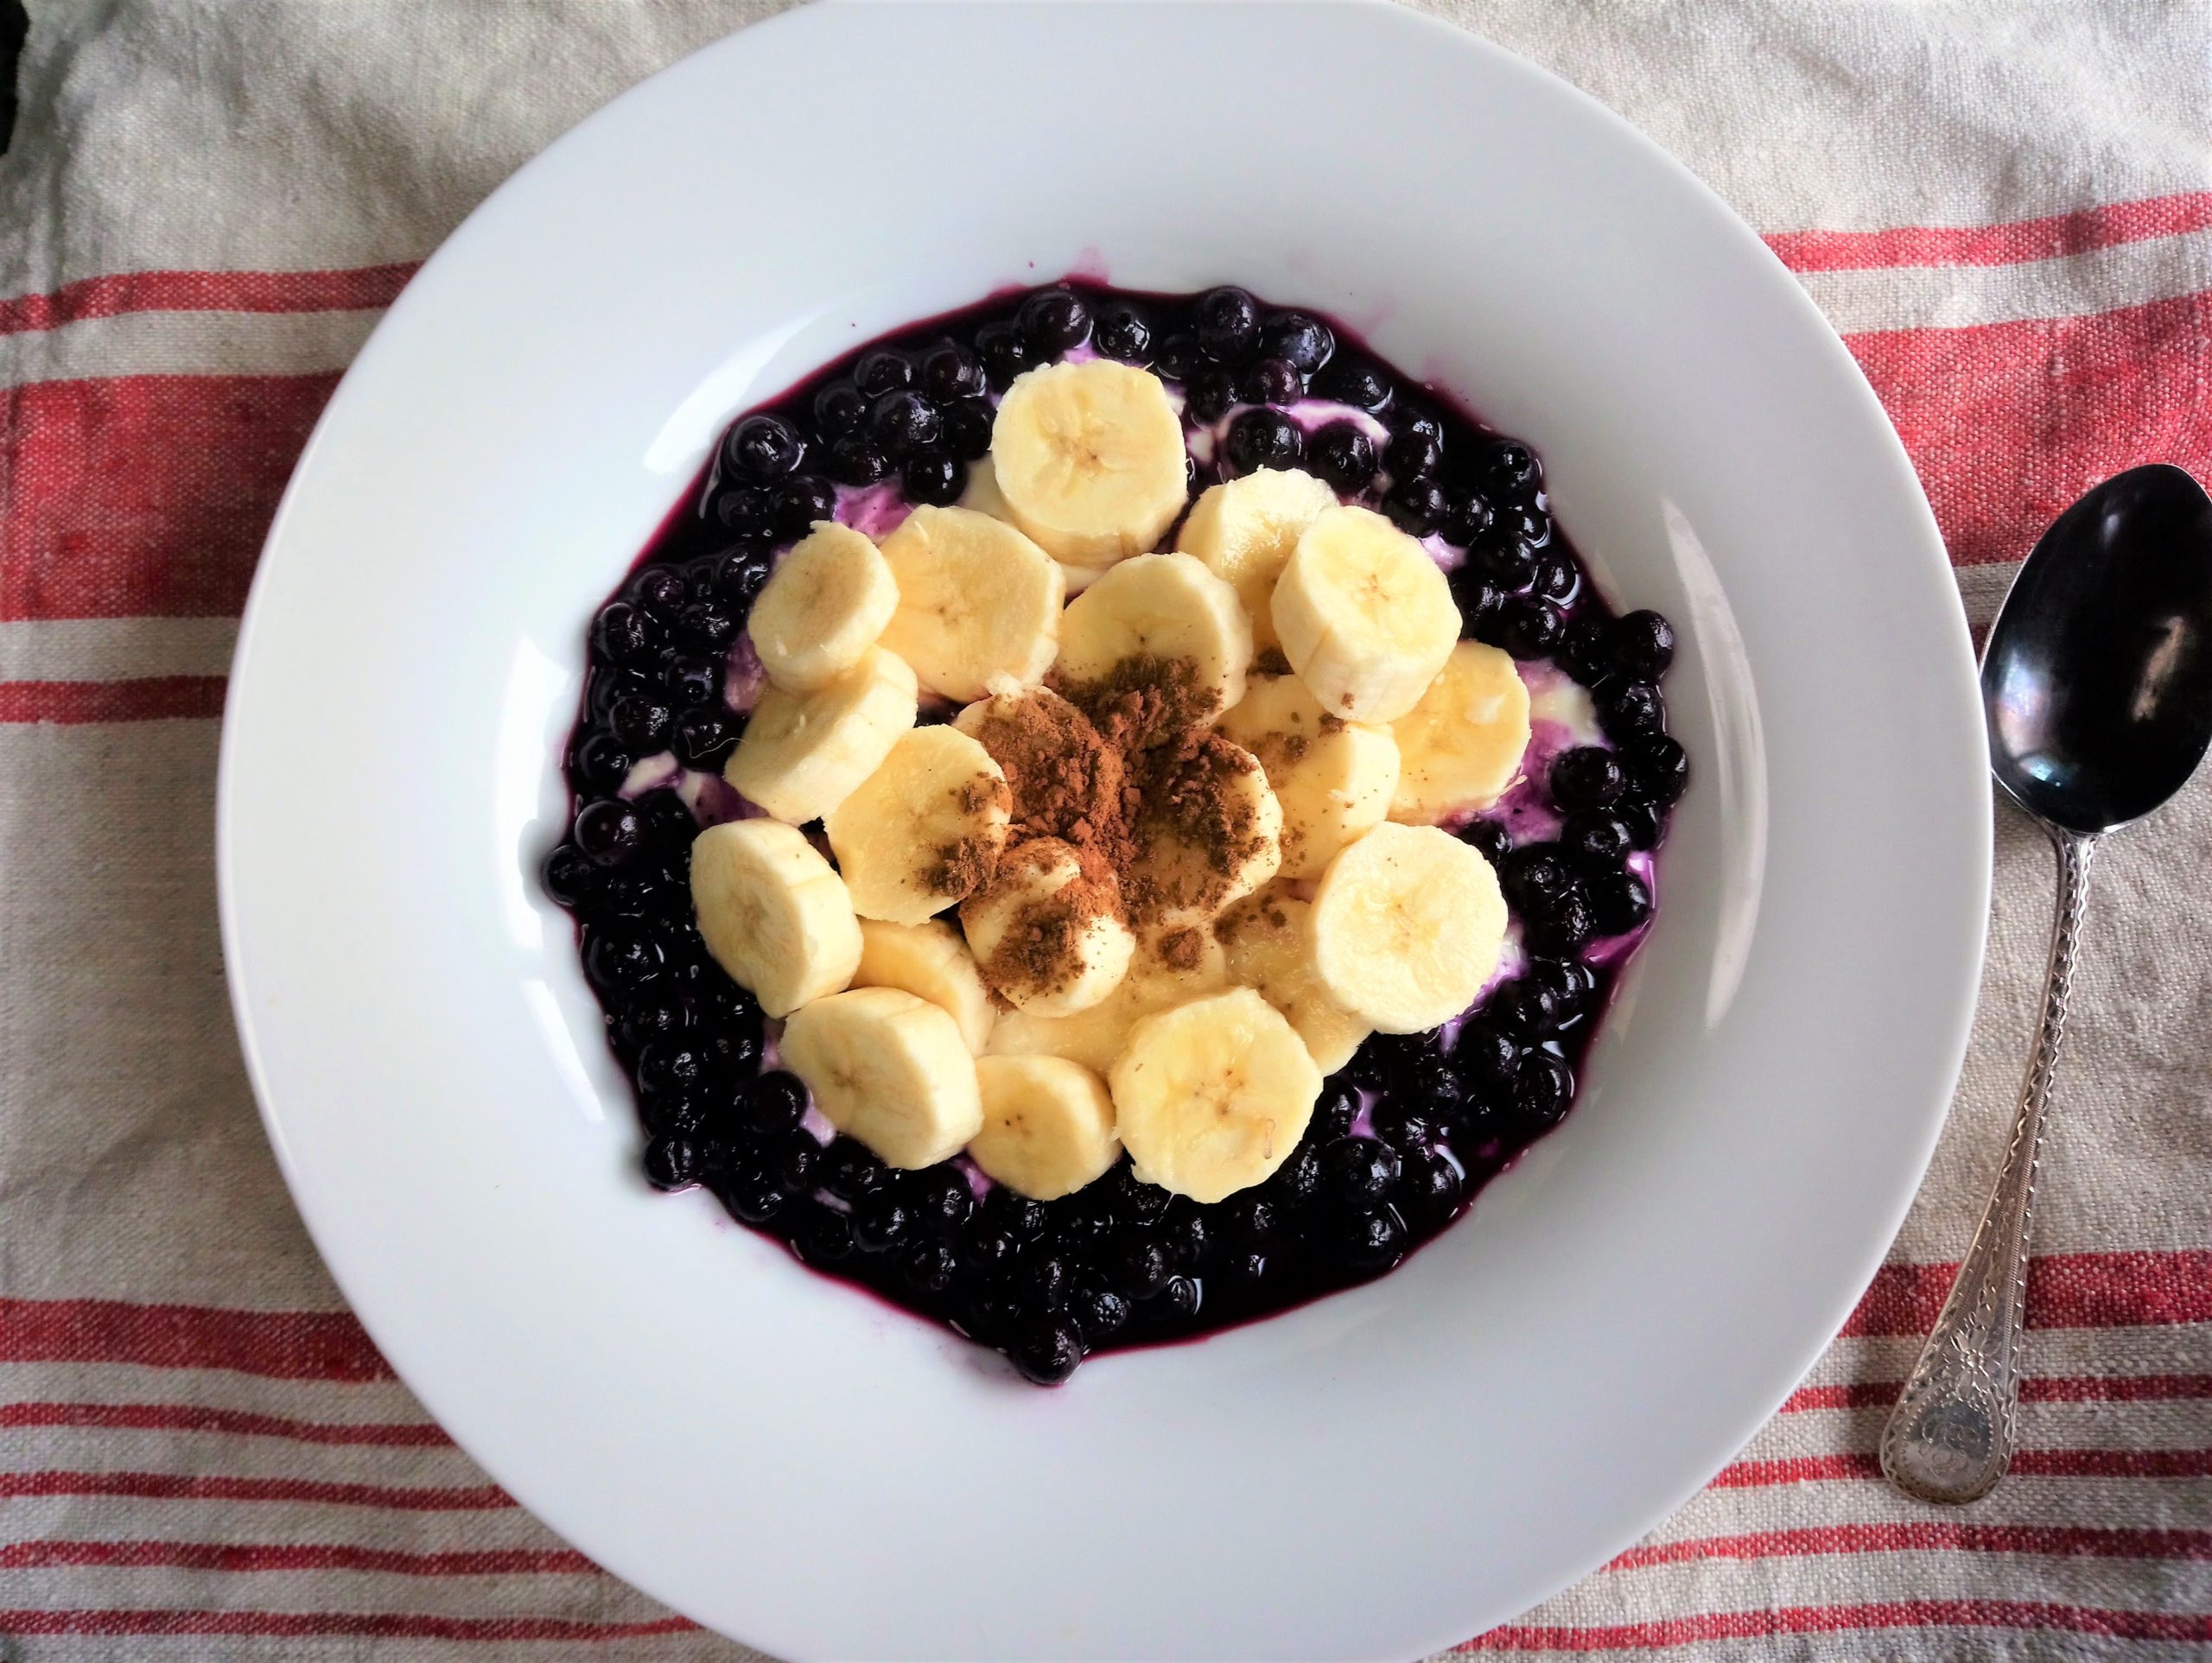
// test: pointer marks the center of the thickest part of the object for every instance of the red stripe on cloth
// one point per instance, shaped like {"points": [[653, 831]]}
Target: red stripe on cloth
{"points": [[305, 1623], [280, 1344], [294, 1556], [351, 290], [219, 1487], [2026, 1463], [151, 698], [2008, 423], [2034, 1388], [190, 1418], [1935, 1536], [1843, 1619], [144, 496], [2070, 1290], [2105, 225]]}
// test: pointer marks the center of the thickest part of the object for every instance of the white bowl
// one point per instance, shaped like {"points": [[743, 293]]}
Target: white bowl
{"points": [[1384, 1472]]}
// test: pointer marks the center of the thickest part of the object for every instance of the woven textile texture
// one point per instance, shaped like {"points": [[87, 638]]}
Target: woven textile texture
{"points": [[2005, 210]]}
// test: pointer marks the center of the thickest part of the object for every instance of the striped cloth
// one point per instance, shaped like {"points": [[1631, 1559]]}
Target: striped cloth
{"points": [[2007, 214]]}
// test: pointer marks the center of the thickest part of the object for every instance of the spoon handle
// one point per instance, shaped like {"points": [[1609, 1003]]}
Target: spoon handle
{"points": [[1950, 1437]]}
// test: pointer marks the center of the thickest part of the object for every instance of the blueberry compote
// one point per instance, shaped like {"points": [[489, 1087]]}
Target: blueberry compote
{"points": [[1406, 1134]]}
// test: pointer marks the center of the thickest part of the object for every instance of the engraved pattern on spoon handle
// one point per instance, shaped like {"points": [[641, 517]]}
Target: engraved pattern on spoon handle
{"points": [[1950, 1437]]}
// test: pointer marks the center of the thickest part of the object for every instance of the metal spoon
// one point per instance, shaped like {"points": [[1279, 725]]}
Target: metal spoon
{"points": [[2097, 683]]}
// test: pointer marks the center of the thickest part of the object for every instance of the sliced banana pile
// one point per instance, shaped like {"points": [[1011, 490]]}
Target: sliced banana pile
{"points": [[1174, 977]]}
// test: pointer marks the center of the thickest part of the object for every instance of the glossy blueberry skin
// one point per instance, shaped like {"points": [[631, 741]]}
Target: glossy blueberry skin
{"points": [[763, 449], [1227, 323], [1305, 342], [1264, 438], [1053, 320], [1355, 382], [1343, 457], [1123, 333], [886, 369], [1415, 506], [950, 371], [1642, 645]]}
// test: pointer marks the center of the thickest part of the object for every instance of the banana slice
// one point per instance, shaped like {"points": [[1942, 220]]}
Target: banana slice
{"points": [[1245, 530], [1162, 621], [773, 912], [1212, 1096], [1089, 459], [1210, 833], [1169, 968], [1406, 926], [1333, 778], [804, 754], [930, 961], [1047, 930], [888, 1069], [1366, 616], [979, 604], [827, 602], [1270, 950], [1048, 1126], [1460, 747], [923, 831]]}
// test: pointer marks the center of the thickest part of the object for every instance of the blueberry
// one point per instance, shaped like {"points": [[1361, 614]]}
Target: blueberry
{"points": [[763, 448], [1350, 381], [753, 1197], [1183, 1231], [1130, 1198], [926, 1266], [704, 739], [1227, 323], [679, 1115], [933, 477], [1524, 1006], [620, 960], [1250, 1219], [792, 1157], [670, 1066], [1138, 1265], [882, 370], [1619, 902], [1367, 1241], [1467, 517], [1098, 1312], [823, 1237], [1534, 873], [705, 626], [659, 590], [1307, 342], [1476, 596], [624, 634], [1487, 1055], [691, 681], [1004, 352], [1658, 768], [1178, 356], [671, 1163], [967, 428], [1384, 1058], [608, 831], [1263, 438], [903, 422], [987, 1313], [1431, 1187], [1238, 1267], [880, 1222], [850, 1170], [839, 409], [1433, 1091], [739, 576], [1209, 395], [940, 1201], [600, 764], [1641, 645], [1626, 709], [1044, 1281], [773, 1104], [1582, 651], [1509, 562], [1046, 1350], [1572, 984], [1343, 456], [1543, 1086], [1083, 1229], [1487, 835], [1180, 1297], [1415, 506], [641, 722], [1054, 320], [1595, 842], [1510, 468], [1525, 522], [747, 511], [1358, 1171], [986, 1248], [571, 877], [1122, 334], [1557, 577], [1271, 381], [1561, 925], [1587, 776], [1414, 454], [732, 1052], [1298, 1180], [801, 501], [1407, 1126], [950, 371], [858, 461], [1532, 627], [1416, 420], [1021, 1217], [1334, 1110], [1646, 823]]}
